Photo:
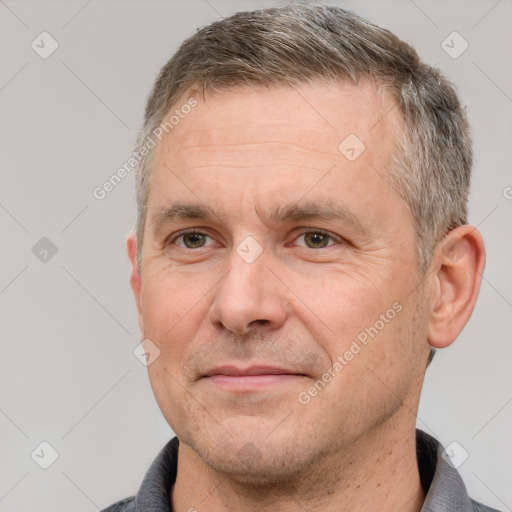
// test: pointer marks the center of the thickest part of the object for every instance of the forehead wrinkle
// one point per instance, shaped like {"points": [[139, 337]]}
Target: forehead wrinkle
{"points": [[254, 166], [269, 127], [198, 148], [250, 144], [258, 154]]}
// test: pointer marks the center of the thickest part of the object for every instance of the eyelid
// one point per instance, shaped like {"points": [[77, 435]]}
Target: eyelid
{"points": [[199, 231], [202, 231], [303, 231]]}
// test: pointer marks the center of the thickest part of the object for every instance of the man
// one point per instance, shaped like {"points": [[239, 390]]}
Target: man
{"points": [[301, 249]]}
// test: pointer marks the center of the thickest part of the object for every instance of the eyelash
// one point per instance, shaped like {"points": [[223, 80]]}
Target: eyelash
{"points": [[173, 240]]}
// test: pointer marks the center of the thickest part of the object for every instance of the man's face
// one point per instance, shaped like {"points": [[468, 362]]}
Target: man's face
{"points": [[301, 276]]}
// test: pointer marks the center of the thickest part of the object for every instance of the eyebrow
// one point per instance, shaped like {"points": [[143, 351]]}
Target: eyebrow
{"points": [[295, 212], [315, 210]]}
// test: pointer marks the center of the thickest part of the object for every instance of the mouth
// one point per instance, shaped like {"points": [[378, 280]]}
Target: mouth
{"points": [[253, 378]]}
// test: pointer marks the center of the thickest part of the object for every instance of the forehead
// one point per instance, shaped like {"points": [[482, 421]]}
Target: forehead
{"points": [[279, 143], [317, 116]]}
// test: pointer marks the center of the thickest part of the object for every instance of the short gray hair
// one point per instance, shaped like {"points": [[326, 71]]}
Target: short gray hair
{"points": [[301, 44]]}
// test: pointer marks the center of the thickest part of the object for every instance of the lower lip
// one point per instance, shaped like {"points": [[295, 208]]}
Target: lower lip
{"points": [[251, 382]]}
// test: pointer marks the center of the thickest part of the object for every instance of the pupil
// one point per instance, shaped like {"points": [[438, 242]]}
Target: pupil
{"points": [[194, 239], [317, 238]]}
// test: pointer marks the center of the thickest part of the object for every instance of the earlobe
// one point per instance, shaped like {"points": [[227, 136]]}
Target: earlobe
{"points": [[459, 262], [135, 278]]}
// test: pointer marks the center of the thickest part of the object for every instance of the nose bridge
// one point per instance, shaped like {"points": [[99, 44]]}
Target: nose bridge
{"points": [[249, 294]]}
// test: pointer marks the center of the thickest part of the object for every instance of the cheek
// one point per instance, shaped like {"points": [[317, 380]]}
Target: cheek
{"points": [[337, 309], [371, 339], [171, 310], [172, 313], [168, 391]]}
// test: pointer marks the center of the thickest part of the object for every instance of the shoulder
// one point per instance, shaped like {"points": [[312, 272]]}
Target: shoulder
{"points": [[155, 489], [480, 507], [442, 483], [126, 505]]}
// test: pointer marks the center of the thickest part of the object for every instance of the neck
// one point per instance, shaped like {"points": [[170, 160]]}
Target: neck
{"points": [[378, 471]]}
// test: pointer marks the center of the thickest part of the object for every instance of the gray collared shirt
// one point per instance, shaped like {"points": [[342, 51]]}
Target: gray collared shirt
{"points": [[445, 491]]}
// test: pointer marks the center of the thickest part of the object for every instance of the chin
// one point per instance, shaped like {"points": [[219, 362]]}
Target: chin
{"points": [[257, 466], [249, 451]]}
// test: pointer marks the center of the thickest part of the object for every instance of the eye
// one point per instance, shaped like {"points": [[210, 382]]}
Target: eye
{"points": [[315, 239], [191, 240]]}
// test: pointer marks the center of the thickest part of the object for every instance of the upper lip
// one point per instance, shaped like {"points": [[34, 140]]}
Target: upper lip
{"points": [[251, 370]]}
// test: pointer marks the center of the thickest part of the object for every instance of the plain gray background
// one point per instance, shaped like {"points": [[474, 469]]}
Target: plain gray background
{"points": [[68, 373]]}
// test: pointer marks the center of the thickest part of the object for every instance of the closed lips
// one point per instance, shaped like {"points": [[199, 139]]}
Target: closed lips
{"points": [[251, 371]]}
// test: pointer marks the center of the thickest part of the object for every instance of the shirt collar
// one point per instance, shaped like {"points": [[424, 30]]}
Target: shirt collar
{"points": [[446, 490]]}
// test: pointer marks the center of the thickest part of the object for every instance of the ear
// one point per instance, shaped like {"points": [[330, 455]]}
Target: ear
{"points": [[135, 279], [458, 262]]}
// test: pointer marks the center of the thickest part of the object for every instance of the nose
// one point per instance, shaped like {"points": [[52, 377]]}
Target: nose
{"points": [[248, 298]]}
